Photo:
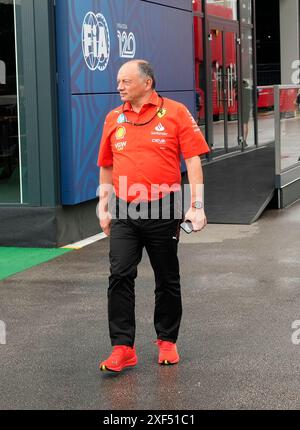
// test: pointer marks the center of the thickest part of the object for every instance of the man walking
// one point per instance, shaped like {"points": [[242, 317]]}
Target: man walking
{"points": [[139, 157]]}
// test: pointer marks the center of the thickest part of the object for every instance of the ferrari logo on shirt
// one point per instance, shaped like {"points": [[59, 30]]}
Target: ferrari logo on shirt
{"points": [[120, 132], [161, 113]]}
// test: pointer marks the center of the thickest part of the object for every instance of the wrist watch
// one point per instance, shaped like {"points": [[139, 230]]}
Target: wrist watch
{"points": [[197, 205]]}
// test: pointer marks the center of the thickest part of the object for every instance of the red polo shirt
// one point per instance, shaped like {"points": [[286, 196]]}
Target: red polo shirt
{"points": [[147, 158]]}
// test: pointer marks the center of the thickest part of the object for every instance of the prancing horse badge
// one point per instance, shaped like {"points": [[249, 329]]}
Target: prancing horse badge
{"points": [[161, 113]]}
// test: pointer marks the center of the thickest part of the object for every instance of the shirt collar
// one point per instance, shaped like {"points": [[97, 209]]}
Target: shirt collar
{"points": [[154, 100]]}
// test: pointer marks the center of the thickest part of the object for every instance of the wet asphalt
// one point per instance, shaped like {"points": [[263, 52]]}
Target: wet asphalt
{"points": [[241, 295]]}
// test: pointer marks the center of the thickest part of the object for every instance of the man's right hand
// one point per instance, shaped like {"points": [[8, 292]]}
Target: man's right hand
{"points": [[105, 223]]}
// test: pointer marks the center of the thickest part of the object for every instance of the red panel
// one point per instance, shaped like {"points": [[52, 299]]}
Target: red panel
{"points": [[217, 10]]}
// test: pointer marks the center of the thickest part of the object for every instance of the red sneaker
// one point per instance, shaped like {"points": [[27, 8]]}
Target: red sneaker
{"points": [[121, 356], [168, 353]]}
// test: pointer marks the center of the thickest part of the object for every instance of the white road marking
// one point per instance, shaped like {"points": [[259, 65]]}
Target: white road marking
{"points": [[86, 242]]}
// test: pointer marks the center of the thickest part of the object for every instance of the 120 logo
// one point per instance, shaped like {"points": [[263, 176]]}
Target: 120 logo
{"points": [[127, 44]]}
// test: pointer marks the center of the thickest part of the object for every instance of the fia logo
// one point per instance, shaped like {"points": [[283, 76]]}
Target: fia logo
{"points": [[95, 41], [127, 44]]}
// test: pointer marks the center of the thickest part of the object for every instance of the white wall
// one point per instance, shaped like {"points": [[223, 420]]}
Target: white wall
{"points": [[289, 41]]}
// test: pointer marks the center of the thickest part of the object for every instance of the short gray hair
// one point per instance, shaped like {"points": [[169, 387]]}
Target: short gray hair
{"points": [[146, 70]]}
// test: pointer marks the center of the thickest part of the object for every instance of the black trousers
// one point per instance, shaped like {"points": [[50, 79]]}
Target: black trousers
{"points": [[160, 238]]}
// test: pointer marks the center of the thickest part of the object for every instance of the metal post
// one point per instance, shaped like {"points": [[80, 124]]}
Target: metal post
{"points": [[277, 125]]}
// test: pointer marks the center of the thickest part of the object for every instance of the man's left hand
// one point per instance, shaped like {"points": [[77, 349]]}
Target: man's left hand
{"points": [[197, 218]]}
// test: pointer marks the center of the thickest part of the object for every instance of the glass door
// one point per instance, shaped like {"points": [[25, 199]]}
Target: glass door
{"points": [[225, 133], [10, 159]]}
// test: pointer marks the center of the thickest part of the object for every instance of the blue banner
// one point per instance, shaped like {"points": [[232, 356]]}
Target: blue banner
{"points": [[180, 4], [94, 38]]}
